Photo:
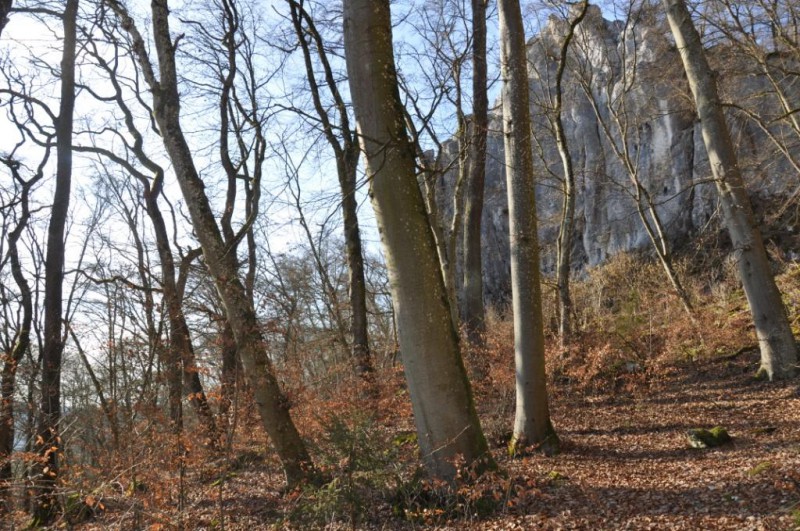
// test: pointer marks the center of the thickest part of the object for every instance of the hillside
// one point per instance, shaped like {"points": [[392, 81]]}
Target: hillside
{"points": [[623, 401]]}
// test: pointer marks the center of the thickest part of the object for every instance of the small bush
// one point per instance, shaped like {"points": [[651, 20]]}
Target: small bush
{"points": [[358, 457], [432, 502]]}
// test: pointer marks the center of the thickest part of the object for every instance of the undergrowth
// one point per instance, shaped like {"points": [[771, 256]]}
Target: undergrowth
{"points": [[629, 329]]}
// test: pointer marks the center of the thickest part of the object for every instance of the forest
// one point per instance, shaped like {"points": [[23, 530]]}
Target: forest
{"points": [[399, 264]]}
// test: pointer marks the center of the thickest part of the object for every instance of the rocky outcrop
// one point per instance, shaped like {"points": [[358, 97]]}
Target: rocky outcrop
{"points": [[636, 71]]}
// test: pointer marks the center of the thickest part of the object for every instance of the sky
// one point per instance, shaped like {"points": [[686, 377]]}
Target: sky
{"points": [[27, 44]]}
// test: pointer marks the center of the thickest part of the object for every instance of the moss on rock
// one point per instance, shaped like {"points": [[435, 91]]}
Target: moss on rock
{"points": [[703, 438]]}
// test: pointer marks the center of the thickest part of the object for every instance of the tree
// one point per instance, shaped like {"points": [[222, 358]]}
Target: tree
{"points": [[49, 442], [620, 117], [761, 44], [444, 412], [347, 152], [777, 344], [566, 227], [329, 293], [5, 10], [179, 357], [219, 258], [472, 313], [441, 62], [21, 341], [532, 425]]}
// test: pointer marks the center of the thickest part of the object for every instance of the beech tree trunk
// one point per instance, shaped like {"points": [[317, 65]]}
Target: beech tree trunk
{"points": [[532, 424], [48, 440], [444, 412], [473, 315], [777, 344], [222, 264]]}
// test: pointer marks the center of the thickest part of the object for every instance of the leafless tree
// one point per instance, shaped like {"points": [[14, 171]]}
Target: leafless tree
{"points": [[553, 92], [437, 88], [532, 424], [48, 438], [219, 258], [15, 349], [472, 309], [179, 358], [341, 137], [620, 120], [776, 341], [760, 50]]}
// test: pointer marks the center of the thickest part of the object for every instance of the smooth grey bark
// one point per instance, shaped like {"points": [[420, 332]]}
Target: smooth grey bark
{"points": [[441, 397], [221, 263], [347, 152], [440, 30], [777, 344], [532, 425], [457, 221], [472, 314], [431, 172], [48, 440], [564, 240]]}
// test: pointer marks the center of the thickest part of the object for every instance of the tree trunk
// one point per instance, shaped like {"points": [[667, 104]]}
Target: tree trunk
{"points": [[181, 349], [455, 228], [532, 424], [564, 241], [22, 339], [777, 344], [49, 442], [347, 153], [5, 10], [222, 264], [444, 411], [357, 280], [472, 296], [230, 370], [431, 173]]}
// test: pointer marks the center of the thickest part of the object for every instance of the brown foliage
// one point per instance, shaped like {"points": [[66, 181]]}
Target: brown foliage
{"points": [[640, 374]]}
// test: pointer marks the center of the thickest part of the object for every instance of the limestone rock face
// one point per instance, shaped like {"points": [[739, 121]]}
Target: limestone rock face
{"points": [[636, 71]]}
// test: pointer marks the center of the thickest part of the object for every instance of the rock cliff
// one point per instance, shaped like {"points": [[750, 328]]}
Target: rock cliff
{"points": [[624, 90]]}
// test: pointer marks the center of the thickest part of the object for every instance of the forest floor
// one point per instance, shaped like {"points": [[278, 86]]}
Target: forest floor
{"points": [[626, 463]]}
